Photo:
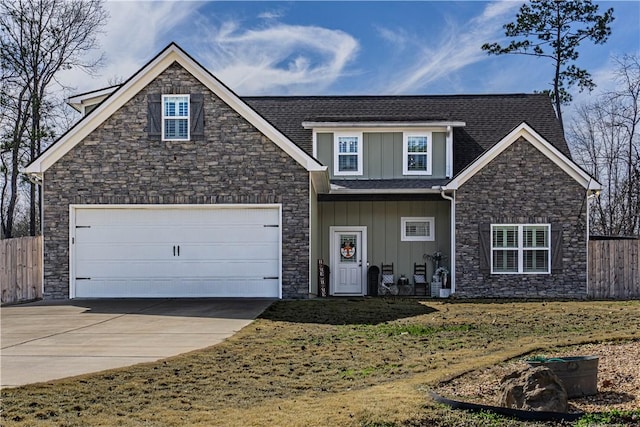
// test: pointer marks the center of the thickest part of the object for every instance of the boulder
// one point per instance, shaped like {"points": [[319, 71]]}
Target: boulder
{"points": [[533, 389]]}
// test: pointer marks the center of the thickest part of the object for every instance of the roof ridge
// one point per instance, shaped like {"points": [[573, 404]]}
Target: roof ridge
{"points": [[487, 95]]}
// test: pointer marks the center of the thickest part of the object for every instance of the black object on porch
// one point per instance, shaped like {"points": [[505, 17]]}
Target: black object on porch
{"points": [[373, 275]]}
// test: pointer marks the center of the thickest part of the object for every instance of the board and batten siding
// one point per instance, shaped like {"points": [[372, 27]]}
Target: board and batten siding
{"points": [[382, 153], [382, 219]]}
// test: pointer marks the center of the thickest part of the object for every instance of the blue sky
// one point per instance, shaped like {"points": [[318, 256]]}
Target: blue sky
{"points": [[363, 47]]}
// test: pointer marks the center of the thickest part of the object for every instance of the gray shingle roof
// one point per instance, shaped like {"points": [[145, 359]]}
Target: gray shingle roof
{"points": [[488, 118], [388, 184]]}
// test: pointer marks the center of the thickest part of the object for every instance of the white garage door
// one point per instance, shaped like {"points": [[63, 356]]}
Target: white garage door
{"points": [[191, 251]]}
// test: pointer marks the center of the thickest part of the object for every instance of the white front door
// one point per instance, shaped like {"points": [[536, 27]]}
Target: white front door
{"points": [[348, 260]]}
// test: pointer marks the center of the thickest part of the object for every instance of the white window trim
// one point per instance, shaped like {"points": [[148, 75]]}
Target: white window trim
{"points": [[521, 249], [188, 138], [428, 219], [336, 154], [405, 152]]}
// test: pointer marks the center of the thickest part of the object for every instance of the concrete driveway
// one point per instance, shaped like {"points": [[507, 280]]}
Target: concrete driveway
{"points": [[47, 340]]}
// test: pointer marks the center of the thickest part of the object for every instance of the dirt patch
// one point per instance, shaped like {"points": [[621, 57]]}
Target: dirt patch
{"points": [[618, 379]]}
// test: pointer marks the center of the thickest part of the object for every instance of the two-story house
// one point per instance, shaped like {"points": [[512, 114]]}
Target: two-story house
{"points": [[171, 185]]}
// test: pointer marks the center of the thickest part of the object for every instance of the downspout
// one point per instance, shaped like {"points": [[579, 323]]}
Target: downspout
{"points": [[453, 236]]}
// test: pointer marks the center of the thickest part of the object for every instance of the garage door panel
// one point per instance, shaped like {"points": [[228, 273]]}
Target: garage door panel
{"points": [[190, 269], [128, 268], [230, 269], [129, 252], [123, 252], [228, 234], [229, 252], [223, 288], [122, 234]]}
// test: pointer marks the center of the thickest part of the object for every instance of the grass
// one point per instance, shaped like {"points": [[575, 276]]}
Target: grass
{"points": [[351, 362]]}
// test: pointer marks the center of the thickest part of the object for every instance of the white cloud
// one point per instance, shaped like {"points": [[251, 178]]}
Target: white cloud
{"points": [[271, 14], [272, 58], [398, 38], [279, 58], [134, 33], [456, 48]]}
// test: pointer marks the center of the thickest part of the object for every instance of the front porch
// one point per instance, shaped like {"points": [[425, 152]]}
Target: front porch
{"points": [[351, 236]]}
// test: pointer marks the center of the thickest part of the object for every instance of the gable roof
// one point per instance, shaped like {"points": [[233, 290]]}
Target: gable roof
{"points": [[487, 118], [172, 53], [527, 132]]}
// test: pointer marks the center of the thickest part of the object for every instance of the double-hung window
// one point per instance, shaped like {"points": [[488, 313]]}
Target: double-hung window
{"points": [[175, 117], [416, 153], [520, 248], [347, 154]]}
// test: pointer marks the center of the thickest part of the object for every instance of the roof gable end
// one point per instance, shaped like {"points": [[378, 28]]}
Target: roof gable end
{"points": [[534, 138], [172, 53]]}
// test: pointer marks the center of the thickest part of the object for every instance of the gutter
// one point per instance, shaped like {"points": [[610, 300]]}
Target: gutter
{"points": [[34, 178]]}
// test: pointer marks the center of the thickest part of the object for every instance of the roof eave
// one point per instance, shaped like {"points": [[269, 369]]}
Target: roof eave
{"points": [[381, 124], [548, 149], [425, 190], [172, 53]]}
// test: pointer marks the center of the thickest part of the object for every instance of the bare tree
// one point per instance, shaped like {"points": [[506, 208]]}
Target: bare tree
{"points": [[38, 40], [605, 139]]}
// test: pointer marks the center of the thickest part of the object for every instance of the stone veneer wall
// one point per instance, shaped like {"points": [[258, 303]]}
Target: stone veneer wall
{"points": [[119, 164], [520, 186]]}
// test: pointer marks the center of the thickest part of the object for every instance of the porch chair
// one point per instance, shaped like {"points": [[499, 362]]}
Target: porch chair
{"points": [[420, 279], [387, 284]]}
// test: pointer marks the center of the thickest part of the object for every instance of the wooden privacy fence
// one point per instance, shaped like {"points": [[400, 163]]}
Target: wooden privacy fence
{"points": [[21, 269], [614, 269]]}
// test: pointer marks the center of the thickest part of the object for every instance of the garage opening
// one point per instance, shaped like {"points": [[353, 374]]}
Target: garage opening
{"points": [[175, 251]]}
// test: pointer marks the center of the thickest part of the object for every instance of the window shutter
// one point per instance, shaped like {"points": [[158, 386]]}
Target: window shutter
{"points": [[484, 247], [556, 248], [197, 116], [154, 116]]}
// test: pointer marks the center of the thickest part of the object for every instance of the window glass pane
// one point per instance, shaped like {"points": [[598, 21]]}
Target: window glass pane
{"points": [[535, 236], [175, 128], [183, 108], [536, 261], [417, 144], [347, 163], [176, 106], [417, 229], [348, 144], [505, 236], [417, 162], [169, 128], [505, 261], [169, 109], [182, 128]]}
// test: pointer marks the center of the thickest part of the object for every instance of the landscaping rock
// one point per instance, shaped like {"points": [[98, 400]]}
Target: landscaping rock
{"points": [[533, 389]]}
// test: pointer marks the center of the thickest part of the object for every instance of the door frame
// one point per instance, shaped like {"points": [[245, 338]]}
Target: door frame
{"points": [[333, 259], [72, 229]]}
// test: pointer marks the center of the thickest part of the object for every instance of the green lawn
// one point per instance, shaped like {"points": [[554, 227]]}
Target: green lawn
{"points": [[360, 362]]}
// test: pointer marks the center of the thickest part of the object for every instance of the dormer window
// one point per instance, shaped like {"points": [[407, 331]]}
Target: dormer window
{"points": [[416, 153], [347, 154], [175, 117]]}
